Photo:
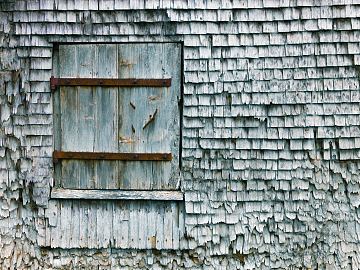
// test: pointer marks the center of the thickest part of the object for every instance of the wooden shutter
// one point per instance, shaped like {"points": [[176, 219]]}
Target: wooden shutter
{"points": [[118, 119], [114, 119]]}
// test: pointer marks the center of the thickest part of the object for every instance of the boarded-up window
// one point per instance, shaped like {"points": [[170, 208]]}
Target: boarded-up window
{"points": [[142, 120], [117, 139]]}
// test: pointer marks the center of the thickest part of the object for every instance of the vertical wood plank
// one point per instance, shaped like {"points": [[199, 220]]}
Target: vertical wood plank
{"points": [[116, 220], [106, 138], [133, 225], [92, 232], [151, 228], [74, 220], [160, 227], [86, 116], [77, 117], [168, 226], [109, 223], [84, 222], [138, 105], [57, 120], [172, 68], [124, 225], [65, 210], [68, 107], [143, 226], [175, 224], [100, 216]]}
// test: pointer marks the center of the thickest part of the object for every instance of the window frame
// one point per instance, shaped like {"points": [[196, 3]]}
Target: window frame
{"points": [[118, 194]]}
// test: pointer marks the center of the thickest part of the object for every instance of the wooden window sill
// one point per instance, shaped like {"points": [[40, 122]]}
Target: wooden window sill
{"points": [[95, 194]]}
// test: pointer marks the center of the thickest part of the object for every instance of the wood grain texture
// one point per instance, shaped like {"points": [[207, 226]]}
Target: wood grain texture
{"points": [[93, 194], [106, 112], [116, 224], [104, 119], [154, 123], [70, 170], [110, 203]]}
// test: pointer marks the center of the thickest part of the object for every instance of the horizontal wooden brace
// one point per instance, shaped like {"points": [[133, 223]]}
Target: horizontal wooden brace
{"points": [[103, 194], [112, 156], [55, 82]]}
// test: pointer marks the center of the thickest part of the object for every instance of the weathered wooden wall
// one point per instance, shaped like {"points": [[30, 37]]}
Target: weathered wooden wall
{"points": [[116, 119], [101, 119], [271, 133], [113, 224]]}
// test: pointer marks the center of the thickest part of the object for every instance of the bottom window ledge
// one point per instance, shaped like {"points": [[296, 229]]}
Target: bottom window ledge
{"points": [[96, 194]]}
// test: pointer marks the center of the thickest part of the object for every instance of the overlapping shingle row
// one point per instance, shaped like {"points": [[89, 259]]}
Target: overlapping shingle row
{"points": [[271, 135]]}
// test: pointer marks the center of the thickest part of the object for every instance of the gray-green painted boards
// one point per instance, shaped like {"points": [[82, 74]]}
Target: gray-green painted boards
{"points": [[113, 119]]}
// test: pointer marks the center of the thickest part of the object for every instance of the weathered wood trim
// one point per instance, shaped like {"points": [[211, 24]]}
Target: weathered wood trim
{"points": [[94, 194], [55, 82], [112, 156]]}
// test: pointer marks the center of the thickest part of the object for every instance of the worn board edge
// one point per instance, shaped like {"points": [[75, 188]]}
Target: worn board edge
{"points": [[154, 195]]}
